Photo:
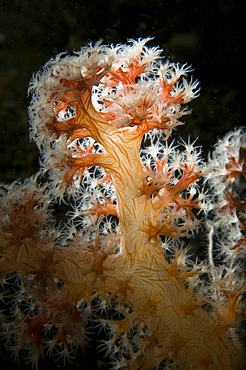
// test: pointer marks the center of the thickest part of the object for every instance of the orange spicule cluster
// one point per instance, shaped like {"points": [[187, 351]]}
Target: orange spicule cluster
{"points": [[101, 119]]}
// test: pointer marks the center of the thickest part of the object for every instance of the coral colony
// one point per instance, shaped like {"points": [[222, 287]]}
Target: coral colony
{"points": [[101, 119]]}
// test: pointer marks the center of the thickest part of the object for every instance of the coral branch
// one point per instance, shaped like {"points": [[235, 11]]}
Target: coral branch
{"points": [[101, 119]]}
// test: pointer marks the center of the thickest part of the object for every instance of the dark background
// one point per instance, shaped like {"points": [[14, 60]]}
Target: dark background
{"points": [[206, 34]]}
